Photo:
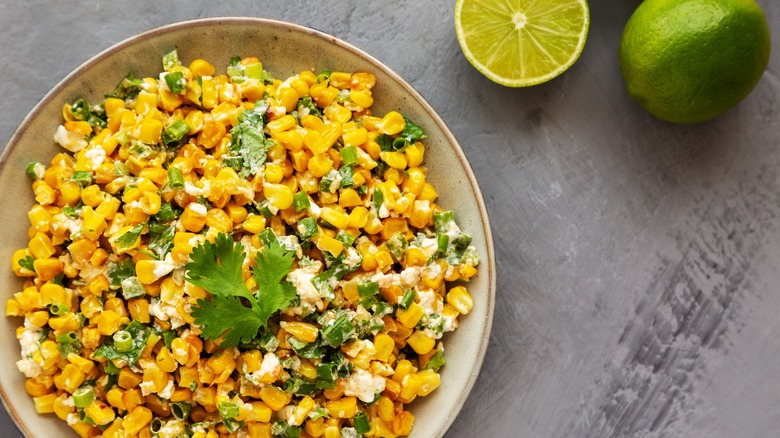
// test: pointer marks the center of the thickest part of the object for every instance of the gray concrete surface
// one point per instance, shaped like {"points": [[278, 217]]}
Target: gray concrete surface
{"points": [[638, 288]]}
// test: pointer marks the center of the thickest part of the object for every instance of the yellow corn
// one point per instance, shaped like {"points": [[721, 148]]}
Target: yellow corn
{"points": [[301, 330], [45, 403], [345, 407], [420, 342], [275, 398]]}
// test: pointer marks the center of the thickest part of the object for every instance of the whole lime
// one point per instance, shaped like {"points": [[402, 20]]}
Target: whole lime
{"points": [[687, 61]]}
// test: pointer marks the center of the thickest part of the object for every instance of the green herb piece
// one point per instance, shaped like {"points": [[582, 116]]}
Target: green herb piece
{"points": [[123, 342], [228, 409], [83, 397], [130, 237], [68, 343], [161, 238], [58, 309], [338, 332], [172, 135], [118, 271], [249, 148], [407, 299], [298, 386], [307, 228], [171, 60], [139, 334], [168, 211], [349, 156], [35, 170], [282, 429], [176, 82], [397, 245], [361, 423], [27, 263], [412, 132], [216, 267], [127, 88], [181, 410], [82, 177], [301, 201], [175, 178], [436, 361]]}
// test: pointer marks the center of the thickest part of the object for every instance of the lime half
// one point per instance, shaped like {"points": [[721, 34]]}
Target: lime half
{"points": [[518, 43]]}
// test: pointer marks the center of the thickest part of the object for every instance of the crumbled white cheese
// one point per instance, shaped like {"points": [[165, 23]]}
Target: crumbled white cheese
{"points": [[29, 343], [310, 297], [194, 190], [96, 156], [72, 141], [146, 388], [364, 385], [167, 392], [198, 208]]}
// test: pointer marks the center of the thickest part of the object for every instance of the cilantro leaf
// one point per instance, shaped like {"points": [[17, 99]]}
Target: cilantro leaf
{"points": [[412, 132], [216, 267], [27, 263], [229, 316], [234, 312], [128, 239], [273, 265], [250, 147]]}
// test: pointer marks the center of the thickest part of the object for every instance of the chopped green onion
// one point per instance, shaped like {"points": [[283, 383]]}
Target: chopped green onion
{"points": [[82, 177], [132, 288], [181, 410], [307, 228], [368, 288], [84, 418], [361, 423], [80, 109], [254, 71], [324, 75], [407, 299], [58, 309], [397, 245], [123, 342], [68, 343], [338, 332], [83, 396], [168, 337], [156, 425], [436, 361], [175, 82], [298, 386], [345, 238], [35, 170], [349, 156], [172, 135], [301, 201], [171, 60], [71, 212], [228, 409], [400, 143], [175, 178]]}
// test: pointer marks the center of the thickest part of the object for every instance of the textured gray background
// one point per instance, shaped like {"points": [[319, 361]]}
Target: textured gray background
{"points": [[637, 288]]}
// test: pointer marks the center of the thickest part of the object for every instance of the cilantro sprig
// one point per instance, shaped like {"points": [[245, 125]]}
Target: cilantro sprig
{"points": [[234, 312]]}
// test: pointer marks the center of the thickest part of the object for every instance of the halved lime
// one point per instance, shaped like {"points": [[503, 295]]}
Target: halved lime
{"points": [[518, 43]]}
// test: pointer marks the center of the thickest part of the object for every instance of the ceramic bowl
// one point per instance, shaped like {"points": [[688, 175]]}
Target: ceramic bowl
{"points": [[284, 49]]}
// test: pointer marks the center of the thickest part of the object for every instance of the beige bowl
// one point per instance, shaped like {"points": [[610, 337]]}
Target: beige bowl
{"points": [[284, 49]]}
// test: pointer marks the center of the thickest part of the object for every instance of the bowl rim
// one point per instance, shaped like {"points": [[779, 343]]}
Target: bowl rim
{"points": [[489, 262]]}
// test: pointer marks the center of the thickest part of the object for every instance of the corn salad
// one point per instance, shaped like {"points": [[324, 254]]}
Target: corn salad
{"points": [[179, 195]]}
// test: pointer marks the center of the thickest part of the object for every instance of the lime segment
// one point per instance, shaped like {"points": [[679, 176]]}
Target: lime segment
{"points": [[518, 43]]}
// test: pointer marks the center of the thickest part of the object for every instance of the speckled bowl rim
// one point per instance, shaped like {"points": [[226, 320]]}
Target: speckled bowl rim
{"points": [[487, 266]]}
